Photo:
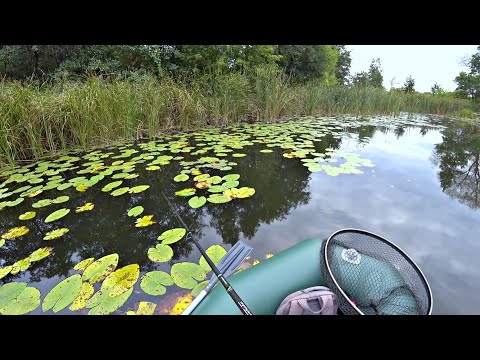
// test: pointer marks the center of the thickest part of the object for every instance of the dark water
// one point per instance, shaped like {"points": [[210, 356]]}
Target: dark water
{"points": [[422, 194]]}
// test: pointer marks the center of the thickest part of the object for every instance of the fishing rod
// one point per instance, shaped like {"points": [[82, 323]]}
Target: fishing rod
{"points": [[233, 294]]}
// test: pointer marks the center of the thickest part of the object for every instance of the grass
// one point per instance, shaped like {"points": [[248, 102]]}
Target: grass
{"points": [[35, 122]]}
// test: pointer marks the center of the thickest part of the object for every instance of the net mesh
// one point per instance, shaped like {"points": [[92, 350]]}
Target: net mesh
{"points": [[374, 275]]}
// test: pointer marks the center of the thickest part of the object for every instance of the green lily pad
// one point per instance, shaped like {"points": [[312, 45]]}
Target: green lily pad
{"points": [[10, 291], [120, 191], [218, 199], [172, 236], [55, 233], [15, 202], [63, 294], [137, 210], [266, 151], [19, 190], [100, 269], [181, 177], [41, 253], [231, 177], [197, 289], [20, 265], [155, 282], [214, 180], [111, 186], [57, 215], [238, 155], [160, 253], [60, 199], [202, 177], [42, 203], [15, 232], [143, 308], [27, 216], [121, 280], [230, 184], [215, 253], [197, 201], [120, 175], [138, 189], [184, 274], [186, 192], [82, 265], [109, 304], [4, 271], [245, 192], [217, 189], [27, 301], [85, 293], [64, 186]]}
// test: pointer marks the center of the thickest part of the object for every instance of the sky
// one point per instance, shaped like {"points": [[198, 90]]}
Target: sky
{"points": [[427, 64]]}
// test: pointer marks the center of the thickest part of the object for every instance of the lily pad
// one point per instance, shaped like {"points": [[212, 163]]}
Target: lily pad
{"points": [[86, 207], [15, 232], [10, 291], [152, 168], [245, 192], [184, 274], [218, 199], [111, 186], [82, 188], [217, 189], [15, 202], [63, 294], [186, 192], [121, 280], [215, 253], [28, 215], [42, 203], [230, 184], [27, 301], [172, 236], [160, 253], [100, 269], [202, 177], [202, 185], [138, 189], [231, 177], [60, 199], [120, 191], [238, 155], [154, 282], [137, 210], [41, 253], [57, 215], [110, 304], [82, 265], [20, 265], [85, 293], [197, 289], [55, 233], [266, 151], [143, 308], [4, 271], [64, 186], [197, 201], [214, 180], [181, 177], [144, 221]]}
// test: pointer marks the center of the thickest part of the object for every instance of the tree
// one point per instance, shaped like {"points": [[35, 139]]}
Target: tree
{"points": [[308, 62], [373, 77], [468, 84], [342, 72], [437, 90], [409, 85]]}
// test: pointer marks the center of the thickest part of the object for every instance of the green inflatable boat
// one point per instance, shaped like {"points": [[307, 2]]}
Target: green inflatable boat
{"points": [[263, 287]]}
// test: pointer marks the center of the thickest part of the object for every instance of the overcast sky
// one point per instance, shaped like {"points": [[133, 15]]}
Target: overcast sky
{"points": [[427, 64]]}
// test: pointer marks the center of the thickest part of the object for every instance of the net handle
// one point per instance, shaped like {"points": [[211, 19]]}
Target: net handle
{"points": [[364, 232]]}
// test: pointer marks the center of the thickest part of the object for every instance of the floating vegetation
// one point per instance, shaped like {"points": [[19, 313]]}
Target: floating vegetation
{"points": [[63, 294], [86, 207], [142, 308], [144, 221], [55, 233], [197, 201], [27, 216], [185, 274], [57, 215], [15, 232], [155, 282], [100, 269], [172, 236], [136, 211], [160, 253], [18, 299]]}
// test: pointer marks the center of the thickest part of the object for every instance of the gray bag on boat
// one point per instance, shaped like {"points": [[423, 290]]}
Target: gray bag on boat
{"points": [[316, 300]]}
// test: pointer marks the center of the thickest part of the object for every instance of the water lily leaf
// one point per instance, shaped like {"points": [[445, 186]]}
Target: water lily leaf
{"points": [[196, 172], [110, 304], [2, 242], [231, 177], [19, 190], [197, 201], [214, 180], [60, 199], [82, 265], [186, 192], [42, 203], [197, 289], [100, 269], [121, 280], [27, 301], [215, 253], [266, 151], [82, 188], [238, 155], [4, 271], [28, 215], [181, 177], [202, 177], [15, 202], [144, 221], [137, 210], [184, 274], [63, 294], [152, 168], [120, 175], [160, 253], [245, 192], [138, 189], [182, 302], [172, 236], [131, 176], [55, 233], [111, 186], [64, 186], [230, 184], [218, 199], [154, 282], [86, 207], [85, 293], [57, 215], [20, 265], [120, 191], [15, 232], [41, 253], [10, 291], [143, 308], [217, 189]]}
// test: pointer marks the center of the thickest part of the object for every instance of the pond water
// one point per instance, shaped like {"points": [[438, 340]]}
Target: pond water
{"points": [[412, 179]]}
